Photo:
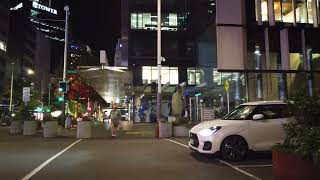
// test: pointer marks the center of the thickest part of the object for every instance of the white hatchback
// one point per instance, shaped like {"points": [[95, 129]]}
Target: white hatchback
{"points": [[253, 126]]}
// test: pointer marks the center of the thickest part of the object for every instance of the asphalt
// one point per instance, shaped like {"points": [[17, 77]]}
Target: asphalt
{"points": [[120, 158]]}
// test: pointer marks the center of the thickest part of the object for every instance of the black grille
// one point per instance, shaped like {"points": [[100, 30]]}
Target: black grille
{"points": [[194, 138], [207, 146]]}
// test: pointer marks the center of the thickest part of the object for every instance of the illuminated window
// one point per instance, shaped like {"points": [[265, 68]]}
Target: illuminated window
{"points": [[195, 76], [264, 10], [310, 11], [168, 74], [301, 12], [3, 46], [287, 11], [134, 21], [277, 10], [148, 21]]}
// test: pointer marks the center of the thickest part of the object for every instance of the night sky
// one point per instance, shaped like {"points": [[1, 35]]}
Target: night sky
{"points": [[94, 22]]}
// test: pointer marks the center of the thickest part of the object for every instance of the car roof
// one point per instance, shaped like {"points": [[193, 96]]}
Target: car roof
{"points": [[256, 103]]}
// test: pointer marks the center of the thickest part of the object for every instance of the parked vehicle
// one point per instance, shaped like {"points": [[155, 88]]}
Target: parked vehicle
{"points": [[253, 126]]}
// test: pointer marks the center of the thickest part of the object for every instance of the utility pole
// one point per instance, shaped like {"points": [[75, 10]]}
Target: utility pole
{"points": [[159, 59], [11, 89], [66, 8]]}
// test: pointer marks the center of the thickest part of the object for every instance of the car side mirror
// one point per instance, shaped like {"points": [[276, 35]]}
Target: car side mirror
{"points": [[258, 117]]}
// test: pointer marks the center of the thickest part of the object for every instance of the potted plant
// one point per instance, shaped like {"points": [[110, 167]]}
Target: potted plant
{"points": [[165, 129], [16, 126], [299, 156], [84, 128], [180, 127], [50, 126]]}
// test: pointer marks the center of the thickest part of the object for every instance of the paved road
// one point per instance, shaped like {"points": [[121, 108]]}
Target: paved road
{"points": [[111, 159]]}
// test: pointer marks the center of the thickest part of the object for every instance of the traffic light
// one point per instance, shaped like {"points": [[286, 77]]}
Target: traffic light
{"points": [[63, 86], [197, 93], [60, 99]]}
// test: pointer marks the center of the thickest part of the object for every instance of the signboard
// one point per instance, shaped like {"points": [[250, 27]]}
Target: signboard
{"points": [[103, 57], [36, 5], [226, 86], [26, 94], [207, 114]]}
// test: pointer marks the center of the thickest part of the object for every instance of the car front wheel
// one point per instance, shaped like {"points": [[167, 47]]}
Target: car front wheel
{"points": [[234, 148]]}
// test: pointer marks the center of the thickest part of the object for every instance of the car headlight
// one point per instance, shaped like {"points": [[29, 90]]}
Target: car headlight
{"points": [[210, 131]]}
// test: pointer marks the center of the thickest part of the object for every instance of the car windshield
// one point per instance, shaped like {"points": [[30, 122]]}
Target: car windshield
{"points": [[240, 113]]}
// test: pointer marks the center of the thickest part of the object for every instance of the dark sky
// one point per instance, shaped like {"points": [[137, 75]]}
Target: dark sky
{"points": [[94, 22]]}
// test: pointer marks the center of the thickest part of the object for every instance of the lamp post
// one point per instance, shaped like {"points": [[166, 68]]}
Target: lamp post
{"points": [[66, 9], [159, 59], [11, 89]]}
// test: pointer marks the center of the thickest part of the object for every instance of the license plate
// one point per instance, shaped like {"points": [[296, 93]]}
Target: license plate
{"points": [[191, 141]]}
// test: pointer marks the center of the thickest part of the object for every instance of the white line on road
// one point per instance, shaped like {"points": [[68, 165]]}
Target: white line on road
{"points": [[32, 173], [255, 166], [177, 143], [223, 162]]}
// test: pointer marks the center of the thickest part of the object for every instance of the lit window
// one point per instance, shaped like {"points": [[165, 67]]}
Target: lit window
{"points": [[310, 11], [301, 13], [287, 11], [148, 21], [168, 74], [277, 10], [264, 10], [195, 76], [3, 46]]}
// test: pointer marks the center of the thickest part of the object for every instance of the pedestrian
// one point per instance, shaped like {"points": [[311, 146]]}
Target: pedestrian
{"points": [[115, 116], [68, 122]]}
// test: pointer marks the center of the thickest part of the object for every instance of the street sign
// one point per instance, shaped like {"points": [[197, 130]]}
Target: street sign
{"points": [[26, 94], [226, 86]]}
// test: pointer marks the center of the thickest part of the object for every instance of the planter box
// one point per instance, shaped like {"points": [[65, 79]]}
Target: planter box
{"points": [[291, 167], [180, 131], [165, 130], [29, 128], [126, 125], [16, 127], [84, 129], [50, 129]]}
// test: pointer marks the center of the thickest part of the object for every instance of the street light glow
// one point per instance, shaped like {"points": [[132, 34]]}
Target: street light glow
{"points": [[30, 72]]}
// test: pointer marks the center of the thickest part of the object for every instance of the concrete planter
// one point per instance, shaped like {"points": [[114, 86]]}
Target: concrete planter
{"points": [[286, 166], [126, 125], [50, 129], [16, 127], [180, 131], [165, 130], [29, 128], [84, 129]]}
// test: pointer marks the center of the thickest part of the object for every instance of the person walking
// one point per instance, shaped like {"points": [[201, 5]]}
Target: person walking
{"points": [[115, 116], [68, 122]]}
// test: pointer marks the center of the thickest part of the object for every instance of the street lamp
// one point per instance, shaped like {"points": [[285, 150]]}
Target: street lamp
{"points": [[30, 72], [159, 59], [66, 9], [11, 89]]}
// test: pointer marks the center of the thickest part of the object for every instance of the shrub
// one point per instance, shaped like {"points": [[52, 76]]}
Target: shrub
{"points": [[23, 114], [303, 130]]}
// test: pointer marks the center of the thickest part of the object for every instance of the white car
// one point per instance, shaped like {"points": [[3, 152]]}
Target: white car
{"points": [[253, 126]]}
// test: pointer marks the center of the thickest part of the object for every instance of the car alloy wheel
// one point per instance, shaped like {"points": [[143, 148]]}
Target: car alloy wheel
{"points": [[234, 148]]}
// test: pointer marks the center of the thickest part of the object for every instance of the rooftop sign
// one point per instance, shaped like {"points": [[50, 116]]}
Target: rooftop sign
{"points": [[36, 5]]}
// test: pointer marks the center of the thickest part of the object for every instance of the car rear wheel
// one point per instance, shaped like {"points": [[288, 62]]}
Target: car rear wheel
{"points": [[234, 148]]}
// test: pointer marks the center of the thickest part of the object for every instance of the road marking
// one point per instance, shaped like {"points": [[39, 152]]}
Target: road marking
{"points": [[239, 170], [177, 143], [32, 173], [223, 162], [255, 166]]}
